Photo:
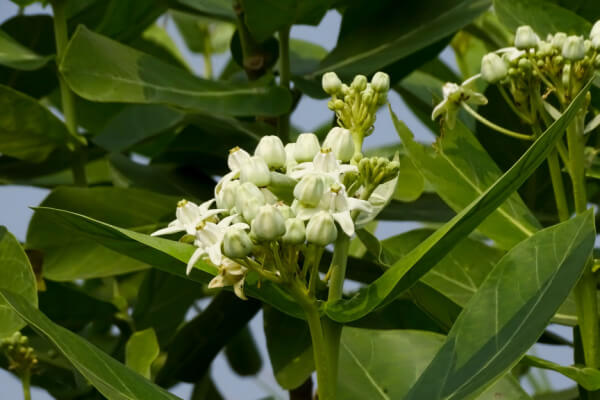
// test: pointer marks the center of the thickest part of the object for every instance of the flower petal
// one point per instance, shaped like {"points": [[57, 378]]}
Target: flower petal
{"points": [[345, 221], [197, 254], [214, 253], [168, 230], [238, 289]]}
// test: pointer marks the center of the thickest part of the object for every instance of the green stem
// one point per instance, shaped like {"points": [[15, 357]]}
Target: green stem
{"points": [[558, 187], [512, 105], [314, 271], [284, 79], [208, 70], [495, 127], [67, 98], [26, 382], [338, 267]]}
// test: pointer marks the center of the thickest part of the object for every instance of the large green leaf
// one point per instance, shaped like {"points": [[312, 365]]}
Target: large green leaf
{"points": [[543, 16], [141, 350], [460, 170], [15, 55], [114, 380], [409, 269], [28, 130], [100, 69], [68, 256], [167, 255], [369, 363], [509, 312], [376, 34], [17, 276]]}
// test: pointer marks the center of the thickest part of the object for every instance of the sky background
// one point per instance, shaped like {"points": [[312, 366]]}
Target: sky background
{"points": [[16, 200]]}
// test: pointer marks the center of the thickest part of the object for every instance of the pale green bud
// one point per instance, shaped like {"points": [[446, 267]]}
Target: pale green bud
{"points": [[228, 194], [359, 83], [339, 140], [544, 49], [268, 224], [248, 200], [270, 148], [321, 229], [587, 45], [255, 171], [285, 210], [309, 190], [525, 64], [595, 29], [237, 243], [573, 48], [236, 158], [566, 75], [306, 147], [596, 42], [526, 38], [332, 85], [493, 68], [380, 82], [558, 40], [295, 232]]}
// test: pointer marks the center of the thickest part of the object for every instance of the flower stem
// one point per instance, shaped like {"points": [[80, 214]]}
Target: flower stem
{"points": [[26, 382], [495, 127], [284, 79], [558, 186], [208, 70], [338, 267]]}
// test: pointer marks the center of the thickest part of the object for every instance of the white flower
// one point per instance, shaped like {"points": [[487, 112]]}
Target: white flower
{"points": [[337, 203], [454, 95], [306, 147], [230, 274], [209, 237], [324, 164], [270, 148], [237, 157], [189, 215]]}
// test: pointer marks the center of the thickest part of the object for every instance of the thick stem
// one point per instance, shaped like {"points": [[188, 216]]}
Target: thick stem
{"points": [[338, 267], [26, 382], [558, 187], [284, 79], [67, 98]]}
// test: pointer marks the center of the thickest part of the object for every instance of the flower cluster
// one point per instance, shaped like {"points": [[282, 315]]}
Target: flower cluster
{"points": [[20, 355], [282, 205], [529, 72]]}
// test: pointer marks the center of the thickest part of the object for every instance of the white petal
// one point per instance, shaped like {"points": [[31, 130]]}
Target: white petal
{"points": [[214, 253], [168, 230], [305, 213], [216, 282], [439, 110], [205, 206], [193, 260], [345, 221], [238, 288], [362, 205]]}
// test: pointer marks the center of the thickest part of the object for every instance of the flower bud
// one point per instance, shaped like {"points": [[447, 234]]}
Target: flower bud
{"points": [[306, 147], [493, 68], [236, 158], [544, 49], [270, 148], [248, 200], [321, 229], [339, 140], [295, 232], [268, 224], [380, 82], [237, 243], [558, 40], [573, 48], [332, 85], [325, 161], [526, 38], [226, 197], [596, 42], [255, 171], [290, 161], [359, 83], [309, 190], [595, 29], [566, 75], [285, 210]]}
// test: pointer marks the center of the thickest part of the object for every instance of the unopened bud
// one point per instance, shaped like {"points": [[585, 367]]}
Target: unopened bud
{"points": [[236, 158], [249, 200], [306, 147], [237, 243], [321, 229], [544, 49], [309, 190], [573, 48], [295, 232], [526, 38], [339, 140], [332, 85], [596, 42], [255, 171], [595, 29], [566, 75], [226, 197], [268, 224], [325, 161], [380, 82], [359, 83], [558, 40], [285, 210], [270, 148], [493, 68]]}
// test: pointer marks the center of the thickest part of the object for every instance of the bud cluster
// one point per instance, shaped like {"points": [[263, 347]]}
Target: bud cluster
{"points": [[20, 355], [356, 104], [282, 204]]}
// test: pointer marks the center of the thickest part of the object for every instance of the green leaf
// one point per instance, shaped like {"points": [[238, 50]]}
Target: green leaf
{"points": [[291, 360], [374, 35], [199, 32], [68, 256], [543, 16], [100, 69], [15, 55], [220, 9], [521, 302], [114, 380], [368, 370], [265, 17], [17, 276], [141, 350], [409, 269], [460, 170], [427, 208], [587, 377], [167, 255], [242, 354], [28, 130]]}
